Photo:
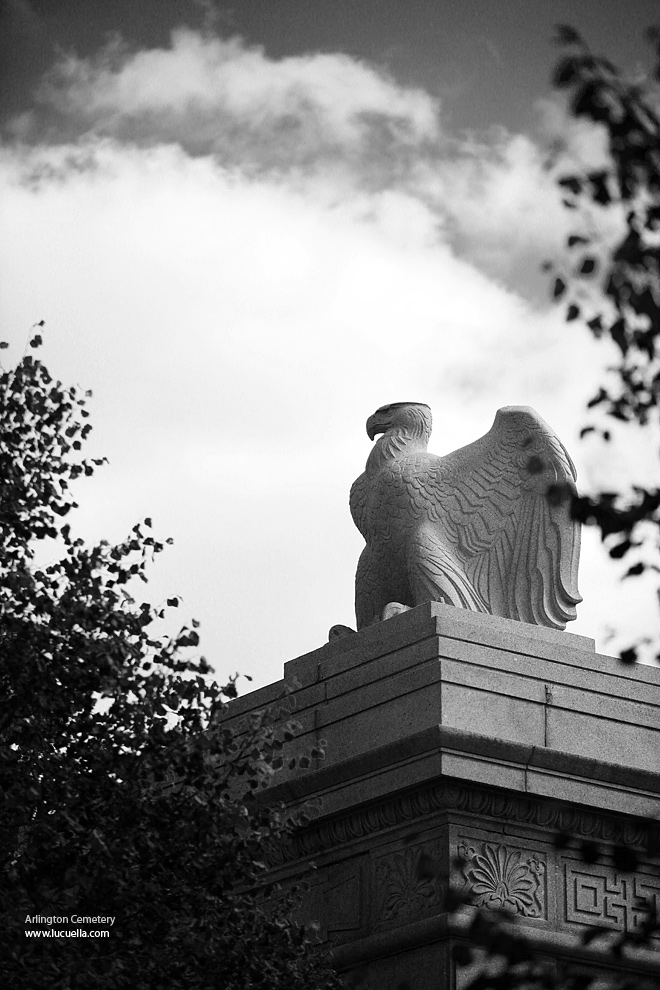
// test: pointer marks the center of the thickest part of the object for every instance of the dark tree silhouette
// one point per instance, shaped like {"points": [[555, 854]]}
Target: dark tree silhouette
{"points": [[120, 795], [613, 285]]}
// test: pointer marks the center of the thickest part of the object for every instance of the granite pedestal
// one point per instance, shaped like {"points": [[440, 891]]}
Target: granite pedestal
{"points": [[458, 745]]}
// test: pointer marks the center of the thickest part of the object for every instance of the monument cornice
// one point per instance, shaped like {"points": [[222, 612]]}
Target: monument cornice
{"points": [[447, 793]]}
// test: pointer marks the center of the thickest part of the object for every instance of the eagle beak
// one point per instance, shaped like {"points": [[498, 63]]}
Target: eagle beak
{"points": [[375, 426]]}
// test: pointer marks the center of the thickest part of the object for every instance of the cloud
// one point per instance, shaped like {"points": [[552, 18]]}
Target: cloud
{"points": [[180, 253], [219, 96], [241, 292], [500, 203], [23, 33], [573, 142], [332, 125]]}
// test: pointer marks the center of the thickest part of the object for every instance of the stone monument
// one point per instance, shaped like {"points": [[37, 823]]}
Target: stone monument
{"points": [[460, 741], [476, 528]]}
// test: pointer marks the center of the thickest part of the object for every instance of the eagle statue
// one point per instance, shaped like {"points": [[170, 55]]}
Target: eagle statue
{"points": [[487, 527]]}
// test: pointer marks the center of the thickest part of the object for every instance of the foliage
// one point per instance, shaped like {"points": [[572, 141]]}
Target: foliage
{"points": [[502, 957], [122, 794], [615, 287]]}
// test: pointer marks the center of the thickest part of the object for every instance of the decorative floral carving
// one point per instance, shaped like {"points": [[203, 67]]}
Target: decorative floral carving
{"points": [[408, 883], [503, 879]]}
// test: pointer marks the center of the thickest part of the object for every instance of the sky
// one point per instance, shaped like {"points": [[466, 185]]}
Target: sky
{"points": [[248, 225]]}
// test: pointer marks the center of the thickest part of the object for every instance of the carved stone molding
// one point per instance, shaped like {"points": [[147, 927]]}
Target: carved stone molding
{"points": [[597, 895], [553, 816], [481, 802], [504, 878]]}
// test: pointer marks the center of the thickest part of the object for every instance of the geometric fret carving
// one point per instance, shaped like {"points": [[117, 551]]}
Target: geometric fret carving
{"points": [[598, 896]]}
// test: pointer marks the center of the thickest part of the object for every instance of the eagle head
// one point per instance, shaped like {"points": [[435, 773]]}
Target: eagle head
{"points": [[413, 418]]}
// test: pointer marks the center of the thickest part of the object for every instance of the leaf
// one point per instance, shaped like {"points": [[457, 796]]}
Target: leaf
{"points": [[3, 344], [572, 312], [463, 954], [98, 841], [566, 72], [561, 840], [620, 550], [586, 101], [559, 288], [589, 852], [572, 183], [625, 859], [652, 221], [628, 656], [602, 396], [618, 335], [599, 190], [567, 35], [577, 239], [588, 266], [635, 570], [173, 602], [590, 934]]}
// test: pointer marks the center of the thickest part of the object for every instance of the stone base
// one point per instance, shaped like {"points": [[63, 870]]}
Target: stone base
{"points": [[457, 746]]}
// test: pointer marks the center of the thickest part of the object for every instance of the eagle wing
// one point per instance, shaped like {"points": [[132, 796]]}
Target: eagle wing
{"points": [[489, 500]]}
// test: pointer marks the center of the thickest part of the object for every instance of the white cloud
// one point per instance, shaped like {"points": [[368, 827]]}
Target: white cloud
{"points": [[219, 96], [335, 127], [502, 202], [573, 142], [239, 323]]}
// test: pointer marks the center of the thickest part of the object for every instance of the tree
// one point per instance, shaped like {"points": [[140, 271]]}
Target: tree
{"points": [[123, 797], [614, 285]]}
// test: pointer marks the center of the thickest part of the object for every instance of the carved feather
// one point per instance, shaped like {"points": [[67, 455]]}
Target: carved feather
{"points": [[474, 528]]}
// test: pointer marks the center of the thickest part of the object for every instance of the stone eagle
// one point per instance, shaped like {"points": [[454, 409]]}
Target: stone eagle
{"points": [[475, 528]]}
